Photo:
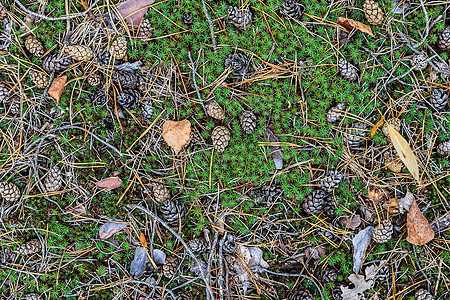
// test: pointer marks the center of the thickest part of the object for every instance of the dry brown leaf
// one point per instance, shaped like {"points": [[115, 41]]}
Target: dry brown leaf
{"points": [[375, 128], [176, 134], [391, 205], [143, 240], [109, 183], [350, 223], [57, 87], [404, 151], [349, 24], [419, 230], [133, 11]]}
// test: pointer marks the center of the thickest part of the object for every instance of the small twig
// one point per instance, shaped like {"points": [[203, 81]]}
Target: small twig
{"points": [[211, 28], [28, 12], [195, 82]]}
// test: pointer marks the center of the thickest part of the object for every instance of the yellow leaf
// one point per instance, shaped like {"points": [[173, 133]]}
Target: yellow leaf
{"points": [[375, 128], [404, 152], [143, 240]]}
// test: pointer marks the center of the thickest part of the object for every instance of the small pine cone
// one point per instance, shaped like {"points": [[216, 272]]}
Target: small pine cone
{"points": [[9, 191], [329, 208], [292, 9], [79, 52], [3, 12], [188, 19], [160, 193], [6, 256], [444, 39], [300, 294], [241, 18], [53, 180], [383, 274], [129, 99], [419, 62], [34, 45], [329, 275], [383, 232], [327, 234], [337, 294], [40, 79], [104, 58], [394, 122], [31, 247], [229, 245], [314, 202], [126, 80], [333, 115], [248, 121], [374, 14], [119, 48], [94, 79], [438, 99], [147, 109], [355, 135], [347, 70], [4, 92], [56, 63], [220, 138], [332, 180], [32, 296], [198, 245], [174, 213], [170, 266], [272, 193], [13, 106], [145, 30], [99, 97], [238, 62], [215, 111], [443, 149], [423, 294]]}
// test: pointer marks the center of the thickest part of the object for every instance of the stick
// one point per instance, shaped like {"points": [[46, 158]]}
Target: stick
{"points": [[58, 18], [211, 28]]}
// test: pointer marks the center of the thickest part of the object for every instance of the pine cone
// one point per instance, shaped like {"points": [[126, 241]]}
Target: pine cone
{"points": [[104, 58], [419, 62], [332, 180], [126, 80], [94, 79], [443, 149], [160, 193], [241, 18], [248, 121], [145, 30], [383, 232], [34, 46], [13, 105], [444, 39], [56, 63], [198, 245], [188, 19], [53, 180], [170, 266], [99, 97], [374, 14], [329, 275], [31, 247], [355, 135], [300, 294], [4, 93], [292, 9], [79, 52], [238, 62], [438, 99], [327, 234], [337, 294], [220, 138], [119, 48], [9, 191], [229, 245], [215, 111], [7, 256], [329, 208], [334, 115], [32, 296], [129, 99], [174, 213], [423, 294], [314, 202], [347, 70], [147, 109], [394, 122], [41, 80]]}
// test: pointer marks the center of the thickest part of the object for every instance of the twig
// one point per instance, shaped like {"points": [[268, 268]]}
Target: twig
{"points": [[29, 12], [195, 82], [211, 28]]}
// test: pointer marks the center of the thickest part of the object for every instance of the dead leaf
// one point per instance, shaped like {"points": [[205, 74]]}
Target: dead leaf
{"points": [[404, 151], [375, 128], [349, 24], [133, 11], [419, 230], [352, 222], [109, 229], [137, 266], [109, 183], [360, 243], [275, 151], [361, 283], [143, 240], [404, 204], [176, 134], [57, 87], [391, 205]]}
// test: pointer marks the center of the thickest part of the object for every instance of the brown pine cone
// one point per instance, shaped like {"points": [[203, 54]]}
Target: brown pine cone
{"points": [[314, 202], [34, 46], [4, 92], [173, 213], [9, 191], [444, 39], [443, 149], [248, 121], [374, 14], [94, 79], [40, 79], [347, 70], [215, 111], [198, 245], [56, 63], [79, 52], [220, 138], [53, 180], [383, 232], [119, 48], [160, 193], [30, 247], [423, 294], [170, 266], [145, 30], [13, 105]]}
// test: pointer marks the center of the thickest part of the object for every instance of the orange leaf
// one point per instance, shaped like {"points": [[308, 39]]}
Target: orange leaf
{"points": [[177, 134], [57, 87], [349, 24], [375, 128], [143, 240], [419, 230]]}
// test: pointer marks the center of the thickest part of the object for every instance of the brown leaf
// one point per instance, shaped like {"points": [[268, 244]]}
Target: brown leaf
{"points": [[391, 205], [176, 134], [275, 151], [110, 228], [109, 183], [57, 87], [349, 24], [375, 128], [419, 230], [133, 11], [143, 240], [352, 222]]}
